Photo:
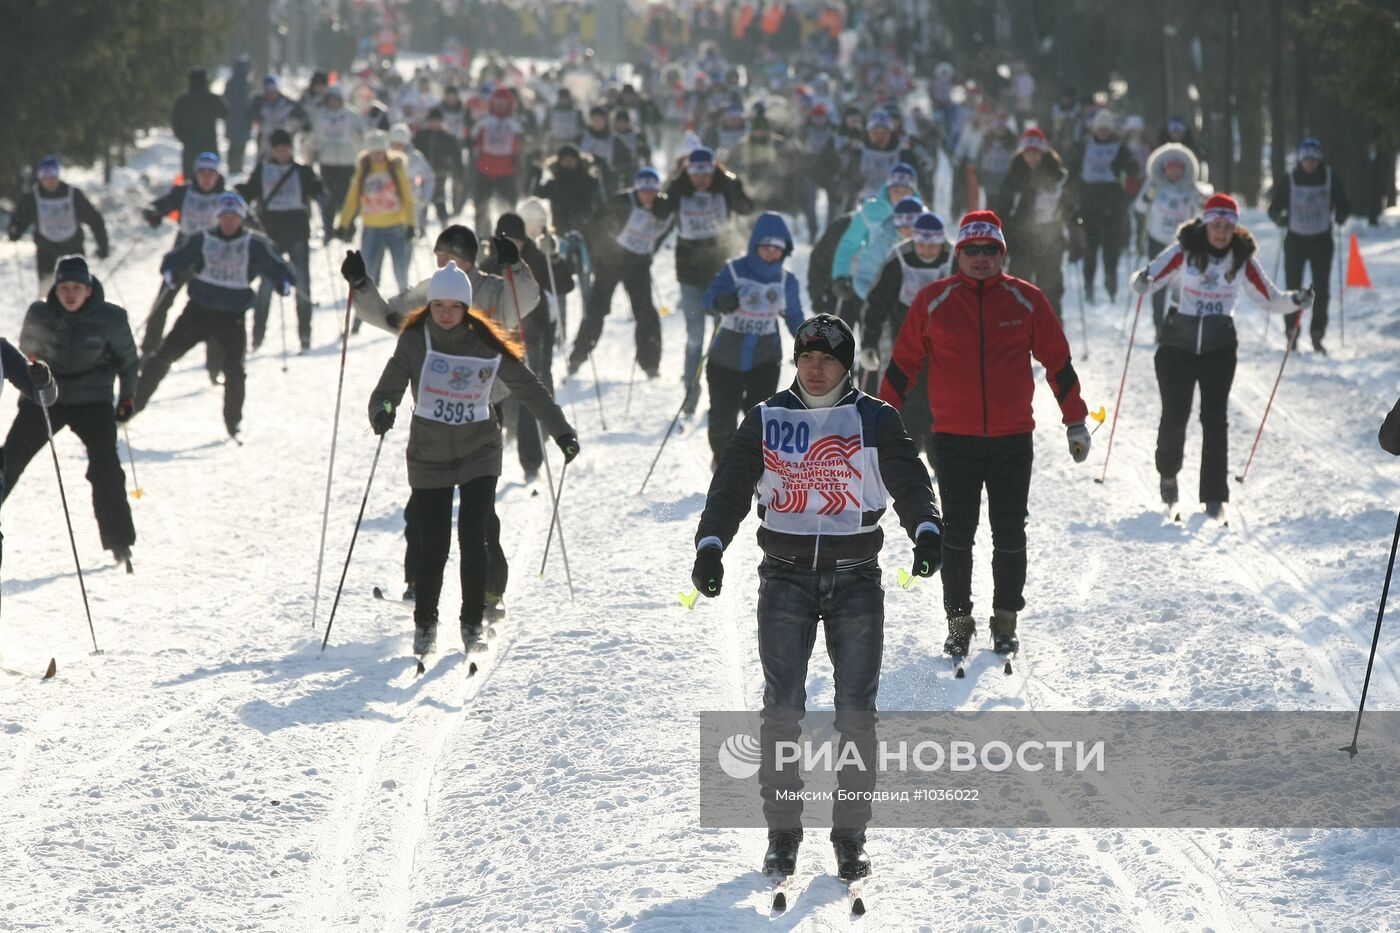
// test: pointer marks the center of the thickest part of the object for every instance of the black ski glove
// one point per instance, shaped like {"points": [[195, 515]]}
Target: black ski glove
{"points": [[843, 288], [708, 575], [505, 250], [39, 374], [151, 216], [353, 269], [103, 252], [569, 444], [126, 408], [727, 302], [928, 554], [382, 420]]}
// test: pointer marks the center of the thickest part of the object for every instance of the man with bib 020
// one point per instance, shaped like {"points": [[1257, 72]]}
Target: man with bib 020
{"points": [[825, 459]]}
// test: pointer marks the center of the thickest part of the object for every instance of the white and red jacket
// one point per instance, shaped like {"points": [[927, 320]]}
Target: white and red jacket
{"points": [[978, 337], [1205, 287], [496, 143]]}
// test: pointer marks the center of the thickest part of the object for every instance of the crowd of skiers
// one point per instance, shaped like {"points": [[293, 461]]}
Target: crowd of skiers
{"points": [[920, 338]]}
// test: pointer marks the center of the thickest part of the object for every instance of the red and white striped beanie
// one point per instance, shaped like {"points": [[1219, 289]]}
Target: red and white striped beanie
{"points": [[1221, 207], [980, 226]]}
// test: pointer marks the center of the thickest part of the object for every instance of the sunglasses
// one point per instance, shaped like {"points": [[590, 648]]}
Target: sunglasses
{"points": [[981, 249]]}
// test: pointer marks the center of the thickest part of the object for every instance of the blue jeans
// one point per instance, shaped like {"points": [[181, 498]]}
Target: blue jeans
{"points": [[299, 255], [851, 603], [692, 303], [375, 241]]}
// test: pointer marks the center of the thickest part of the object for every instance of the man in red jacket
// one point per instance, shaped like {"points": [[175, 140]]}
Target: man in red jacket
{"points": [[978, 330]]}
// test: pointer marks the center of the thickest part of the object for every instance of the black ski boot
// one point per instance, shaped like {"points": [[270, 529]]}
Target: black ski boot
{"points": [[960, 632], [409, 593], [1003, 626], [1169, 490], [1216, 510], [494, 609], [851, 860], [781, 857], [471, 635], [424, 636]]}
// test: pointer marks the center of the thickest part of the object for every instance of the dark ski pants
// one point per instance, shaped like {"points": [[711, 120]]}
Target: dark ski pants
{"points": [[731, 394], [197, 324], [1105, 229], [1178, 372], [635, 278], [430, 537], [964, 464], [1159, 297], [298, 253], [539, 354], [96, 427], [1316, 252], [1044, 267], [851, 605], [160, 310]]}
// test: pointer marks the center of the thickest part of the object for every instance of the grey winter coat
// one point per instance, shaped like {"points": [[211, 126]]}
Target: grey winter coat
{"points": [[86, 349], [441, 455], [491, 295]]}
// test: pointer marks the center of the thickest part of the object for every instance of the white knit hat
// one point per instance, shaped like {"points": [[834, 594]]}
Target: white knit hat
{"points": [[400, 135], [376, 141], [450, 284]]}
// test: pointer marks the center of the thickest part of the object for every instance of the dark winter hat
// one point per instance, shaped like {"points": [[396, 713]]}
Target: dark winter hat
{"points": [[596, 111], [511, 225], [902, 175], [269, 81], [981, 227], [434, 113], [319, 77], [49, 167], [206, 160], [567, 151], [928, 228], [280, 137], [231, 202], [1221, 207], [701, 161], [622, 113], [459, 241], [647, 179], [1176, 125], [907, 211], [72, 268], [1310, 148], [879, 118], [825, 333]]}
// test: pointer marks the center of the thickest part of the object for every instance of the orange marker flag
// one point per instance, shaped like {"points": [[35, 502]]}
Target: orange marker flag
{"points": [[1356, 269]]}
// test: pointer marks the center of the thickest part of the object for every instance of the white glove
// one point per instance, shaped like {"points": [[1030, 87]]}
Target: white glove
{"points": [[1142, 282], [552, 301], [870, 359], [1078, 437], [1303, 298]]}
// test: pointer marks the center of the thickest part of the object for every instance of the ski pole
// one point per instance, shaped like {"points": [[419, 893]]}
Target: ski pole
{"points": [[1341, 285], [1375, 641], [1287, 351], [282, 316], [1083, 321], [554, 520], [1278, 264], [116, 266], [330, 468], [1122, 383], [695, 381], [73, 541], [136, 492], [374, 464], [630, 381]]}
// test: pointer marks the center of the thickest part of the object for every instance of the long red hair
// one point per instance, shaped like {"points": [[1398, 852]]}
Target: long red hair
{"points": [[491, 333]]}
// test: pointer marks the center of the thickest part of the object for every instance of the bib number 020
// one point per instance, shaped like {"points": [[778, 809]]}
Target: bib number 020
{"points": [[454, 412], [787, 437]]}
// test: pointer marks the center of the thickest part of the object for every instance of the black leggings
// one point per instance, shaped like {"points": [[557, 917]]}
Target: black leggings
{"points": [[429, 529], [1178, 373]]}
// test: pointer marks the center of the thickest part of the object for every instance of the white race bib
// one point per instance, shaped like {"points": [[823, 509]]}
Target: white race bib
{"points": [[57, 217], [1309, 208], [288, 197], [1045, 207], [498, 137], [1097, 167], [914, 280], [226, 261], [818, 475], [1170, 209], [197, 211], [703, 216], [454, 389], [760, 304], [1206, 291], [638, 236]]}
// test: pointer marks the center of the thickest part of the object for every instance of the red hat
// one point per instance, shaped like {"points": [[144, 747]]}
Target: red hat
{"points": [[1034, 138], [1221, 207], [980, 227], [502, 102]]}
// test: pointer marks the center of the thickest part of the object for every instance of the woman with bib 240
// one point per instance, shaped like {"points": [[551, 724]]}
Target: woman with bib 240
{"points": [[459, 364]]}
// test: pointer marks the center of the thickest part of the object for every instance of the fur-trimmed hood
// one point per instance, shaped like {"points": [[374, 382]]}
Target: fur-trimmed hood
{"points": [[1168, 152]]}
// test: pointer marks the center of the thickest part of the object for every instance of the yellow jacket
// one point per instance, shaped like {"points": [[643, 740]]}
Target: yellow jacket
{"points": [[387, 196]]}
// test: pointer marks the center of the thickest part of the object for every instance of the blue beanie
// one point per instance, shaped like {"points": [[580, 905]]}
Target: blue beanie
{"points": [[209, 160], [49, 167], [929, 228], [701, 161], [1310, 148], [647, 179], [231, 202], [902, 174], [906, 211]]}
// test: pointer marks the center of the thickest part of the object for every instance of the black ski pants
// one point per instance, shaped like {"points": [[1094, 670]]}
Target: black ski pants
{"points": [[198, 324], [96, 427], [539, 354], [635, 278], [731, 394], [1317, 252], [428, 527], [1178, 373], [964, 464]]}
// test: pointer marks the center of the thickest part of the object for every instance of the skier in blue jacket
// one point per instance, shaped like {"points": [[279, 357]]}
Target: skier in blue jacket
{"points": [[750, 294], [867, 242]]}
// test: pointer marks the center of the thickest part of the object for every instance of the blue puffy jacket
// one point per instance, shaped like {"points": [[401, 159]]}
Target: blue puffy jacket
{"points": [[748, 337], [867, 243]]}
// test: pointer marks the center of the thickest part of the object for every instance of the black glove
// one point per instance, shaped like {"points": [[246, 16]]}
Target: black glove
{"points": [[151, 216], [569, 444], [103, 252], [394, 319], [505, 250], [353, 270], [382, 420], [411, 232], [708, 575], [928, 554], [125, 409], [843, 288], [727, 302], [347, 233], [39, 374]]}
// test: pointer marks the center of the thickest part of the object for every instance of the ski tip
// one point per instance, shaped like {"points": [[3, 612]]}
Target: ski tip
{"points": [[779, 903], [471, 669], [858, 907], [1098, 480], [52, 671], [378, 593], [129, 568], [421, 668], [960, 673], [1007, 669]]}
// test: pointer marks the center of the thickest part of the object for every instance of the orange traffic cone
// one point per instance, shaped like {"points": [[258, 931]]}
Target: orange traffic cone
{"points": [[1356, 269], [179, 180]]}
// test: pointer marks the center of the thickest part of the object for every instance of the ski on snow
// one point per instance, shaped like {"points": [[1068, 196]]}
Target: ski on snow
{"points": [[478, 644], [780, 892], [960, 662]]}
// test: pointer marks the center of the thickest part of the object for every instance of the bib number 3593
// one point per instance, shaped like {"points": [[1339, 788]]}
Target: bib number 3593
{"points": [[454, 412]]}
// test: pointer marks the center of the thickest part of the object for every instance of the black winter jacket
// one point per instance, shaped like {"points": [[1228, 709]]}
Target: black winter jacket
{"points": [[87, 349]]}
